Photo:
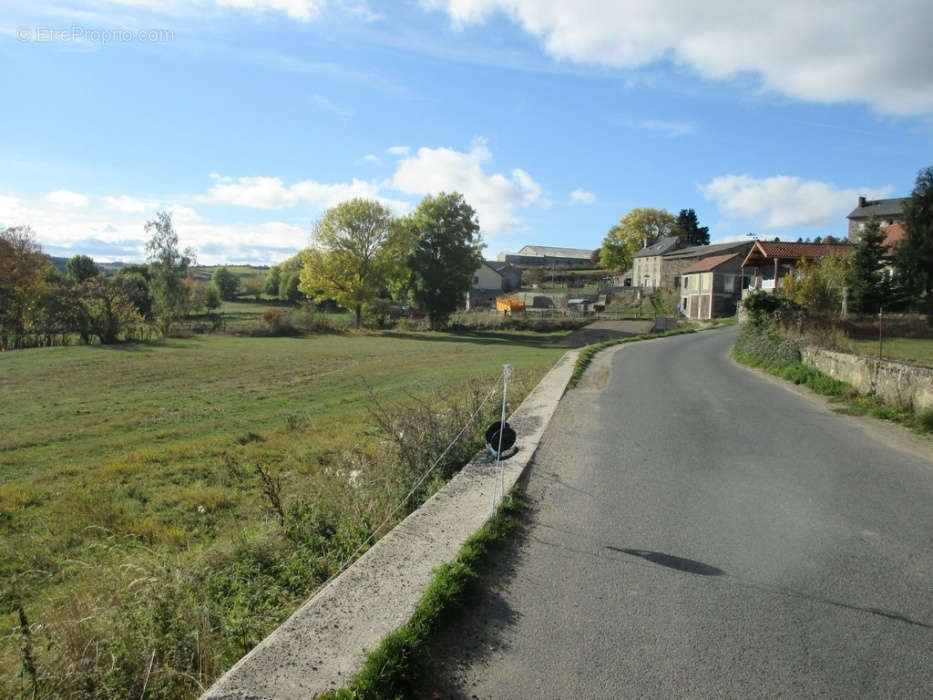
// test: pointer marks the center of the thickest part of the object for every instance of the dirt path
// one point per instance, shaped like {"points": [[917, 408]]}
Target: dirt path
{"points": [[599, 331]]}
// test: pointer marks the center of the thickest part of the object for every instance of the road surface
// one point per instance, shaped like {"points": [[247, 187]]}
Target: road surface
{"points": [[699, 530]]}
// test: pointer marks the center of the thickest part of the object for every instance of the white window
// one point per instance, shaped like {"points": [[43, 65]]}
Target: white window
{"points": [[728, 283], [686, 282]]}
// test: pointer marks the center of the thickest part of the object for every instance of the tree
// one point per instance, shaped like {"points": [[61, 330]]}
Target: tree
{"points": [[167, 269], [817, 285], [227, 283], [103, 309], [352, 255], [24, 273], [212, 301], [255, 285], [636, 230], [79, 268], [272, 281], [869, 282], [913, 259], [687, 227], [288, 287], [134, 279], [446, 252]]}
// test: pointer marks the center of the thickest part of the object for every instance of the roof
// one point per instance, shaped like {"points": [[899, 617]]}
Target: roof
{"points": [[499, 266], [763, 250], [704, 251], [541, 251], [893, 234], [659, 247], [708, 264], [880, 208]]}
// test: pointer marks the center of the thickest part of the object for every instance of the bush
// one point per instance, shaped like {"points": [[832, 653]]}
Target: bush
{"points": [[760, 344]]}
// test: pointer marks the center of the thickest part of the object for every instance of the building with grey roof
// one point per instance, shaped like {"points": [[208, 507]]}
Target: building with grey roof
{"points": [[548, 256], [884, 211]]}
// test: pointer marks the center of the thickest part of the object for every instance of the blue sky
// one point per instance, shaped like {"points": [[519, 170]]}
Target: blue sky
{"points": [[554, 118]]}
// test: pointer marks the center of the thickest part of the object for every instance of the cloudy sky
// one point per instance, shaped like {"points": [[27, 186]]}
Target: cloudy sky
{"points": [[248, 118]]}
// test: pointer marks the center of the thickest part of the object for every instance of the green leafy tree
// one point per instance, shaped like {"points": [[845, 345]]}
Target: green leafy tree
{"points": [[80, 267], [289, 287], [255, 285], [168, 268], [134, 279], [636, 230], [870, 286], [272, 281], [103, 309], [914, 257], [817, 287], [353, 254], [227, 283], [688, 227], [446, 252], [213, 297]]}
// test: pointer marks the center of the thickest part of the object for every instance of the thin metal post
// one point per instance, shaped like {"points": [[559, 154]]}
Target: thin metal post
{"points": [[506, 375]]}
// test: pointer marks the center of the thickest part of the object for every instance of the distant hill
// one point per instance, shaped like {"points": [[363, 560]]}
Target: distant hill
{"points": [[108, 268], [199, 272]]}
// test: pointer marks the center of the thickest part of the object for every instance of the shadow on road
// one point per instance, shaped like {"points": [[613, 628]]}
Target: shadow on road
{"points": [[672, 562], [695, 567]]}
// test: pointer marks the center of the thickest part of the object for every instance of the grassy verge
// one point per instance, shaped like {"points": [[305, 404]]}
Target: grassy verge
{"points": [[395, 667], [175, 501], [764, 347], [916, 350], [589, 352]]}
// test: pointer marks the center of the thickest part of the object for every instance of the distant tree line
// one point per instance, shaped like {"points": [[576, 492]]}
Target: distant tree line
{"points": [[39, 306], [359, 254]]}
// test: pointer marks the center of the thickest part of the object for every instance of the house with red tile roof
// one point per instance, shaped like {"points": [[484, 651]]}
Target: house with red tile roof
{"points": [[768, 262], [711, 287]]}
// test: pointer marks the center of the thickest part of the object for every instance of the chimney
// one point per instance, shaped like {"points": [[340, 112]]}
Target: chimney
{"points": [[861, 202]]}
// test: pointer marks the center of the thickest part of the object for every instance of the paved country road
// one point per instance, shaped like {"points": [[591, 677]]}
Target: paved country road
{"points": [[698, 530]]}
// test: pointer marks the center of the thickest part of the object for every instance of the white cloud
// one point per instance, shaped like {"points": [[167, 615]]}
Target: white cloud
{"points": [[128, 205], [582, 197], [184, 215], [398, 150], [783, 201], [273, 193], [495, 197], [372, 158], [827, 52], [669, 128], [302, 10], [67, 198]]}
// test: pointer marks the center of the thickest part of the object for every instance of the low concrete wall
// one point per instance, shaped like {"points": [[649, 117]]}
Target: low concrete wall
{"points": [[323, 644], [899, 383]]}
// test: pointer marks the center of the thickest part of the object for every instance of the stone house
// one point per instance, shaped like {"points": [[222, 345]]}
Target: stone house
{"points": [[885, 211], [711, 287], [646, 263], [674, 263]]}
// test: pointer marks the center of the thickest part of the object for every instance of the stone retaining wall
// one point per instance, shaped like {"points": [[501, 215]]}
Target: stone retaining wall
{"points": [[902, 384]]}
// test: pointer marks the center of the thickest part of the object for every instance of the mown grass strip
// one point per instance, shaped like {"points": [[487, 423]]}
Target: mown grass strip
{"points": [[589, 352], [393, 669]]}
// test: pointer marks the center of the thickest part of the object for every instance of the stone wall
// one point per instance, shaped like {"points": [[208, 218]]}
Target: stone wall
{"points": [[902, 384]]}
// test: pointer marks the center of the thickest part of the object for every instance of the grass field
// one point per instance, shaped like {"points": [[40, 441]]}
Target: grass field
{"points": [[137, 517], [917, 350]]}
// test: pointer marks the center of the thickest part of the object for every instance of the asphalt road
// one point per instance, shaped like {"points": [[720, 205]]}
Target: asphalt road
{"points": [[698, 530]]}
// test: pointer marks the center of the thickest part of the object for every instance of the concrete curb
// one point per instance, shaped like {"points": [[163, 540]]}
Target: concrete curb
{"points": [[324, 643]]}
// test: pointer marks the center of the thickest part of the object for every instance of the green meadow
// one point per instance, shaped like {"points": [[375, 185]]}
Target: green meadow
{"points": [[163, 506]]}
